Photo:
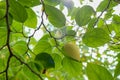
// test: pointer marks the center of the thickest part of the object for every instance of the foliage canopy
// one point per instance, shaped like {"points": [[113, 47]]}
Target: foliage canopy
{"points": [[96, 31]]}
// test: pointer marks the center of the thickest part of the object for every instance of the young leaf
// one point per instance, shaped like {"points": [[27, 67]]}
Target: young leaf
{"points": [[3, 36], [28, 74], [83, 16], [102, 5], [73, 12], [55, 16], [91, 24], [2, 13], [32, 19], [57, 60], [16, 26], [20, 47], [71, 66], [71, 33], [96, 37], [29, 3], [97, 72], [43, 45], [52, 2], [4, 53], [18, 11]]}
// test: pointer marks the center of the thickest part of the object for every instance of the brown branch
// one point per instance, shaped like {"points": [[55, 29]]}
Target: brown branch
{"points": [[2, 72], [6, 70], [55, 39], [28, 67], [8, 46], [8, 37], [2, 47]]}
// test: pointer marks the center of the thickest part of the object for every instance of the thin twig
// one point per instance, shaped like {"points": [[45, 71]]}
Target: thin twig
{"points": [[2, 47], [8, 46], [55, 39], [107, 26], [102, 13], [2, 72]]}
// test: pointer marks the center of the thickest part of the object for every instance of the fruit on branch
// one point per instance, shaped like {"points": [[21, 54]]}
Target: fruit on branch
{"points": [[71, 50], [58, 34]]}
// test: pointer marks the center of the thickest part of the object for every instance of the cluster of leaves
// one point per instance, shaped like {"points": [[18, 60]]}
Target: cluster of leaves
{"points": [[22, 57]]}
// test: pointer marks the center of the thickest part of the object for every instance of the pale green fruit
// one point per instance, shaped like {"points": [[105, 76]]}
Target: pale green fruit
{"points": [[58, 34], [71, 50]]}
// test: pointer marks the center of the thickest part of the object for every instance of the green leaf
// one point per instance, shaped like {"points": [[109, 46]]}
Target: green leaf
{"points": [[73, 12], [57, 59], [20, 47], [16, 37], [2, 5], [18, 11], [109, 14], [3, 21], [2, 13], [29, 3], [45, 60], [97, 72], [4, 53], [3, 36], [91, 24], [32, 19], [117, 70], [52, 2], [20, 75], [73, 67], [43, 45], [28, 74], [14, 66], [16, 26], [114, 47], [96, 37], [71, 33], [116, 28], [83, 16], [116, 19], [100, 23], [102, 5], [55, 16]]}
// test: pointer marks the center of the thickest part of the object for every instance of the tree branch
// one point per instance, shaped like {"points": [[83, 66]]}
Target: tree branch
{"points": [[28, 67], [8, 45], [2, 72], [55, 39], [102, 13], [2, 47], [8, 37]]}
